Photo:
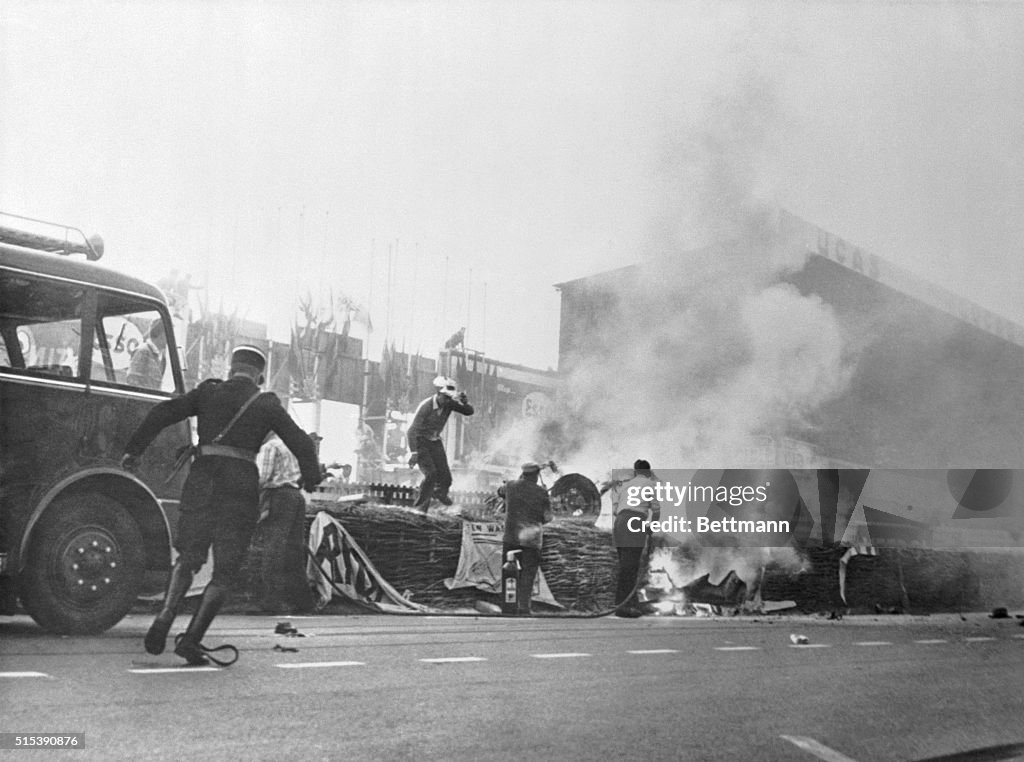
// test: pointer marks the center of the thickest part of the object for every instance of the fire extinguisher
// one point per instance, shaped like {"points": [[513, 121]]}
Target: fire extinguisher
{"points": [[510, 584]]}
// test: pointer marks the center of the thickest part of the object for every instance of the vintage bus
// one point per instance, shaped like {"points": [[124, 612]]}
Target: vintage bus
{"points": [[80, 538]]}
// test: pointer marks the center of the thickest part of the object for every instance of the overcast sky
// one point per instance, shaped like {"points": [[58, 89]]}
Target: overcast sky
{"points": [[486, 151]]}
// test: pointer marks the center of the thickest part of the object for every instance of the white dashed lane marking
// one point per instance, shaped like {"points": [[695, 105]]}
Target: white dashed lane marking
{"points": [[558, 656], [185, 670], [23, 674], [655, 651], [316, 664]]}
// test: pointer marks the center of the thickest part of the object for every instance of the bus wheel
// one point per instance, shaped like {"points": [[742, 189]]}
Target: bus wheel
{"points": [[85, 565]]}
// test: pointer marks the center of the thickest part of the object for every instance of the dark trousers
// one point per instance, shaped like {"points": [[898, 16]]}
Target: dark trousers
{"points": [[629, 568], [219, 508], [630, 547], [529, 563], [433, 462], [284, 552]]}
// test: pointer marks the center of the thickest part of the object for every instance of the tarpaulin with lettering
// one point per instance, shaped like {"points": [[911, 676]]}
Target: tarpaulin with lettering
{"points": [[480, 563]]}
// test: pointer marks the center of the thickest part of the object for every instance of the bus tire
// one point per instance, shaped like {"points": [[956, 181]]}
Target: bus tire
{"points": [[85, 565]]}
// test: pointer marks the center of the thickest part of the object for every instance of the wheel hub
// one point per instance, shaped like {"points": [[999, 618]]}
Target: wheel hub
{"points": [[89, 564]]}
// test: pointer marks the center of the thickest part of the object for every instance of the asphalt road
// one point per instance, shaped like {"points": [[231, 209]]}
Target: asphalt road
{"points": [[378, 687]]}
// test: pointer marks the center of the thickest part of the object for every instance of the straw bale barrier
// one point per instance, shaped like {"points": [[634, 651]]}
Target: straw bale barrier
{"points": [[416, 553]]}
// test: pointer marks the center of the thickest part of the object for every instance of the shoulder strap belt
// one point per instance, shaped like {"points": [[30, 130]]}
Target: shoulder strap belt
{"points": [[238, 415], [226, 451], [189, 451]]}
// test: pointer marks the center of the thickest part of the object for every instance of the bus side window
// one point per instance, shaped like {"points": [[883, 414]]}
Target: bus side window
{"points": [[40, 322], [131, 349]]}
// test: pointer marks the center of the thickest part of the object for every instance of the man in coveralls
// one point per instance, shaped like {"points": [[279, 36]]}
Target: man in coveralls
{"points": [[220, 500], [630, 545], [527, 510], [424, 435]]}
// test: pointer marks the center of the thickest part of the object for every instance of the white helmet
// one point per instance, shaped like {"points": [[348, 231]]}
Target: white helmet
{"points": [[445, 385]]}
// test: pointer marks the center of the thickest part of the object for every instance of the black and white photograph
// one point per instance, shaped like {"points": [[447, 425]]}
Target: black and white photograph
{"points": [[500, 380]]}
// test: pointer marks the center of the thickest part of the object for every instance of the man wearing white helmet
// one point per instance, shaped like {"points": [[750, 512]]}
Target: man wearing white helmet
{"points": [[424, 435]]}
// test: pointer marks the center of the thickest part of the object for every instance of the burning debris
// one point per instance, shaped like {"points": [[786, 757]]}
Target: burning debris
{"points": [[679, 581], [664, 596]]}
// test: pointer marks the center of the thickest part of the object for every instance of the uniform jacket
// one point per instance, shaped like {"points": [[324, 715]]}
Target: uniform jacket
{"points": [[214, 403]]}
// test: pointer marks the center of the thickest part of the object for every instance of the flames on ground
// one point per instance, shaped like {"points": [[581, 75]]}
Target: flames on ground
{"points": [[712, 581]]}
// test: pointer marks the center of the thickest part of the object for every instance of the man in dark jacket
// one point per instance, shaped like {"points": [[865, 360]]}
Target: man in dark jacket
{"points": [[424, 435], [527, 509], [220, 499]]}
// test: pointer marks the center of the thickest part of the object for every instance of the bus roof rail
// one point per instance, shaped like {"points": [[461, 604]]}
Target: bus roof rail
{"points": [[47, 236]]}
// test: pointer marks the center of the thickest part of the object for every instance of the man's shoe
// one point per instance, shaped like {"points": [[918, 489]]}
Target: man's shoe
{"points": [[629, 612], [443, 499], [190, 651], [177, 588], [156, 638]]}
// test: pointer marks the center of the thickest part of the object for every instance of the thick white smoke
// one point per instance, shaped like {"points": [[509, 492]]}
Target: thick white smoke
{"points": [[698, 354], [696, 368]]}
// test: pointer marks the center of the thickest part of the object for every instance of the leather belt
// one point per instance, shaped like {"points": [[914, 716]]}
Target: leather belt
{"points": [[225, 451]]}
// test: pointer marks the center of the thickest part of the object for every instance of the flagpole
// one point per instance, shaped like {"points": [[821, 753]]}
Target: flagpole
{"points": [[392, 257], [444, 299], [366, 352], [415, 277], [366, 344], [465, 360], [469, 308]]}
